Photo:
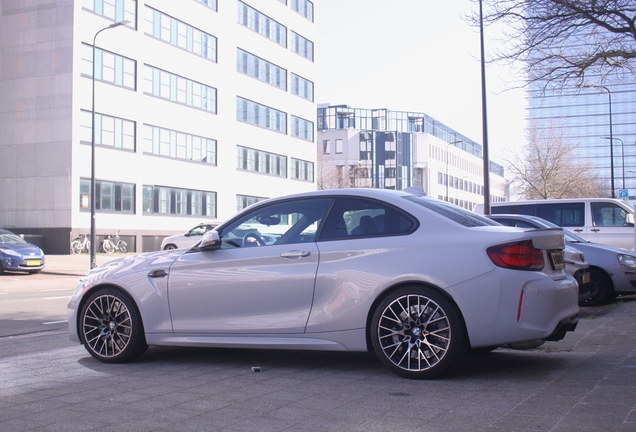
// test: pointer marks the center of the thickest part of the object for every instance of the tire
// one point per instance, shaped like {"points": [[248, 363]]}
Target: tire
{"points": [[170, 247], [601, 289], [108, 247], [76, 247], [110, 327], [417, 333], [122, 246]]}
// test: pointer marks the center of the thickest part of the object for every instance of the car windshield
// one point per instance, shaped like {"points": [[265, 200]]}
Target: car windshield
{"points": [[11, 239], [452, 212]]}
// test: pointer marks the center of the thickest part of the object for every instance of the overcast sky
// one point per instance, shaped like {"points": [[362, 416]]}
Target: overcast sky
{"points": [[415, 55]]}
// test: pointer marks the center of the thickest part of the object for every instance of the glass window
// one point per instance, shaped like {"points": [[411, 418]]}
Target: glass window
{"points": [[178, 89], [260, 115], [179, 145], [338, 146], [176, 201], [563, 214], [260, 69], [110, 196], [304, 8], [303, 47], [606, 214], [356, 217], [287, 222], [109, 131], [301, 128], [261, 24], [109, 67], [302, 87], [261, 161], [302, 170], [462, 216], [209, 3], [114, 10]]}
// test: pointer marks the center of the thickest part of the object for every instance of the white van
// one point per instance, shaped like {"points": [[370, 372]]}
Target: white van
{"points": [[599, 220]]}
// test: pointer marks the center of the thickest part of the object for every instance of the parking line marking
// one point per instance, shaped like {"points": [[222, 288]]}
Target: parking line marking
{"points": [[55, 298], [55, 322]]}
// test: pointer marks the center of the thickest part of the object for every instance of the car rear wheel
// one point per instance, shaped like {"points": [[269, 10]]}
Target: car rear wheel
{"points": [[416, 332], [170, 247], [601, 289], [110, 327]]}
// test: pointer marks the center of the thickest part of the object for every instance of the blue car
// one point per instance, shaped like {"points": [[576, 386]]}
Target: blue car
{"points": [[18, 255]]}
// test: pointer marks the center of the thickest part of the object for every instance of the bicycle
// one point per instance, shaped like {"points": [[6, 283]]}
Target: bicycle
{"points": [[80, 244], [113, 243]]}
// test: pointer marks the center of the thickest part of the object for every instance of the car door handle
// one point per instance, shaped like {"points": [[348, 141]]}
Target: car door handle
{"points": [[295, 254], [157, 274], [595, 230], [578, 230]]}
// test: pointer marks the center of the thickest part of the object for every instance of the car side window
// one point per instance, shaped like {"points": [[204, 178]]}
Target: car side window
{"points": [[294, 221], [608, 215], [356, 218], [563, 214]]}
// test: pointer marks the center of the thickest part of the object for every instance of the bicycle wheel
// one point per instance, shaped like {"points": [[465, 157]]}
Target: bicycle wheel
{"points": [[108, 246], [76, 247], [122, 246]]}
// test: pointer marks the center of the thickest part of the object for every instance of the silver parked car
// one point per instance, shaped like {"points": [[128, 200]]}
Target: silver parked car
{"points": [[414, 279], [187, 239], [612, 269]]}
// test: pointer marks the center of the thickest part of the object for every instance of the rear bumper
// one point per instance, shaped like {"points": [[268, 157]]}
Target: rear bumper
{"points": [[564, 326]]}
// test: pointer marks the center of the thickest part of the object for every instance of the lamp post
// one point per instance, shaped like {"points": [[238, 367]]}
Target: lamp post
{"points": [[92, 197], [447, 147], [611, 137], [622, 155], [483, 114]]}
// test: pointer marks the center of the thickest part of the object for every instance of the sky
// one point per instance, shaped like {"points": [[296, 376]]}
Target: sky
{"points": [[416, 55]]}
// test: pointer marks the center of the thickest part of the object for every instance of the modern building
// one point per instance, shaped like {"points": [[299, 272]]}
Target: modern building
{"points": [[200, 109], [388, 149], [600, 120]]}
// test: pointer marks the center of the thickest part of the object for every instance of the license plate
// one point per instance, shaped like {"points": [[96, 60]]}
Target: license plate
{"points": [[557, 260], [34, 263], [586, 278]]}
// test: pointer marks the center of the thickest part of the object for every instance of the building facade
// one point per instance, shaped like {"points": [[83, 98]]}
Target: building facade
{"points": [[200, 109], [387, 149], [600, 121]]}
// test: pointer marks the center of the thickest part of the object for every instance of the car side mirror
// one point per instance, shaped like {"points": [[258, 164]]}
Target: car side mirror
{"points": [[211, 241], [629, 219]]}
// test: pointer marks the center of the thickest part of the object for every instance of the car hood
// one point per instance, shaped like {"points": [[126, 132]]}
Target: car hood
{"points": [[22, 248], [599, 246]]}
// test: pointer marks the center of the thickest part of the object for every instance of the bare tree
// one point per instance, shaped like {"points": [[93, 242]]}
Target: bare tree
{"points": [[563, 42], [548, 168]]}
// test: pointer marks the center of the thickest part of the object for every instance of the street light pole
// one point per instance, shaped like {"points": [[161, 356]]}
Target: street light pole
{"points": [[483, 114], [93, 263], [622, 155], [611, 137]]}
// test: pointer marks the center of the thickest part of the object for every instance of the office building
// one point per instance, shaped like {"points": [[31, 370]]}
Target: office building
{"points": [[388, 149], [599, 121], [201, 107]]}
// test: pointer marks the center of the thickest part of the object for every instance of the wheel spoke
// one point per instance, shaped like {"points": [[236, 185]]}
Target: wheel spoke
{"points": [[414, 332]]}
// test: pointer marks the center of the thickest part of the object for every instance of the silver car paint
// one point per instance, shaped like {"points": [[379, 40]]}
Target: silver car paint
{"points": [[347, 282]]}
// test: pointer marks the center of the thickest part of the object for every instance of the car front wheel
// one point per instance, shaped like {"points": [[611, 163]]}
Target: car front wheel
{"points": [[416, 333], [170, 247], [110, 327]]}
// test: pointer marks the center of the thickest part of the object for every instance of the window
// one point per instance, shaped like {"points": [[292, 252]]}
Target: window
{"points": [[355, 217], [338, 146], [563, 214], [302, 46], [175, 201], [111, 197], [180, 34], [366, 150], [326, 146], [259, 161], [109, 131], [301, 128], [209, 3], [281, 223], [175, 88], [114, 10], [303, 7], [260, 115], [262, 24], [178, 145], [608, 215], [260, 69], [243, 201], [109, 67], [302, 87], [302, 170]]}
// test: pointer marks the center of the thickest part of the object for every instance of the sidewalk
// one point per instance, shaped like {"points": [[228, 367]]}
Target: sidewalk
{"points": [[76, 265]]}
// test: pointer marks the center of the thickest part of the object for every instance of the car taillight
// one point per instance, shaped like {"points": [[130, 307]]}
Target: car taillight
{"points": [[517, 256]]}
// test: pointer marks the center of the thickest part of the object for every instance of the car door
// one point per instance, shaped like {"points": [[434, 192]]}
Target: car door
{"points": [[248, 286], [609, 226]]}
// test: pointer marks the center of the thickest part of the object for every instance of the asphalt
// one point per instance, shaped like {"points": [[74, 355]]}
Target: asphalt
{"points": [[584, 383]]}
